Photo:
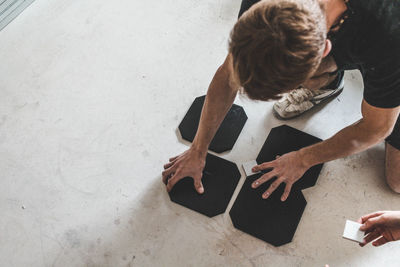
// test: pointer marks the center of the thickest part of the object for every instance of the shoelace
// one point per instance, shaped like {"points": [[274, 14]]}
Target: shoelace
{"points": [[300, 95]]}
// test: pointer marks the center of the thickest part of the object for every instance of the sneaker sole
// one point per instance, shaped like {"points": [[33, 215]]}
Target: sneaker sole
{"points": [[276, 114]]}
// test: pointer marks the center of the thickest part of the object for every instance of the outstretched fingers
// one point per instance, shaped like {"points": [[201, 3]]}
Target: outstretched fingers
{"points": [[272, 187], [167, 173], [172, 181], [266, 177], [168, 169], [198, 185], [263, 166], [173, 158], [286, 193], [168, 165]]}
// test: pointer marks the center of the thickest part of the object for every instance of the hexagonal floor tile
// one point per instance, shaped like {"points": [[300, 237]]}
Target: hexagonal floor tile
{"points": [[270, 219], [284, 139], [220, 178], [227, 133]]}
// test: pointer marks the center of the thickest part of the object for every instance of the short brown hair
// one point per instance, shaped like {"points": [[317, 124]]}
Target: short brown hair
{"points": [[277, 45]]}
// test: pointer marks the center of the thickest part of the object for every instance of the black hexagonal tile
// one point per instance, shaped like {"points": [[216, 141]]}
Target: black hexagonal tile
{"points": [[220, 178], [284, 139], [227, 133], [270, 220]]}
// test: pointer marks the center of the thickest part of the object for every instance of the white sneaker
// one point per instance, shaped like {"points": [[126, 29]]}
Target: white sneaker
{"points": [[300, 100]]}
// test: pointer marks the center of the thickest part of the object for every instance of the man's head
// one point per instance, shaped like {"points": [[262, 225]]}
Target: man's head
{"points": [[277, 45]]}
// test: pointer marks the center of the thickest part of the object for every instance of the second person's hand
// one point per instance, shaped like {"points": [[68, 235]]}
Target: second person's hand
{"points": [[188, 164], [380, 227]]}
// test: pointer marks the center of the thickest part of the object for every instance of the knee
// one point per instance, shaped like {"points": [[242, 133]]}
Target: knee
{"points": [[393, 182]]}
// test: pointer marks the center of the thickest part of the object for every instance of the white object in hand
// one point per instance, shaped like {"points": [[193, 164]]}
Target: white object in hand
{"points": [[352, 232], [248, 166]]}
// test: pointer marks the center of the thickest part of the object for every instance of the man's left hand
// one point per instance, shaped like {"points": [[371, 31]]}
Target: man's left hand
{"points": [[287, 169]]}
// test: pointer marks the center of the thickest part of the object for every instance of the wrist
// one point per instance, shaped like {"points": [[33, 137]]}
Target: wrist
{"points": [[306, 158], [201, 151]]}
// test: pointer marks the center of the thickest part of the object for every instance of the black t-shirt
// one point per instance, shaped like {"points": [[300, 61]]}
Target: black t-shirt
{"points": [[369, 40]]}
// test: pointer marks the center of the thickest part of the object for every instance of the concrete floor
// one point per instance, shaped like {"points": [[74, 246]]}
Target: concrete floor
{"points": [[91, 93]]}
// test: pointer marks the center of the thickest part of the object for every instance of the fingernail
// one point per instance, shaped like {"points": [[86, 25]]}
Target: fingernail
{"points": [[254, 169], [265, 196], [201, 190], [255, 184]]}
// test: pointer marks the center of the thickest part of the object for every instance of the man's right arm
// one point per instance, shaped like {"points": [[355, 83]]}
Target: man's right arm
{"points": [[220, 96]]}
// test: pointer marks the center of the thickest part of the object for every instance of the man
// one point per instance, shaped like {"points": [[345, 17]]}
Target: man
{"points": [[279, 45]]}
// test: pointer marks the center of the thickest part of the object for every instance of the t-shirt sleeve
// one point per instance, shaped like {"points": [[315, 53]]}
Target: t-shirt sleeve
{"points": [[382, 86], [246, 4]]}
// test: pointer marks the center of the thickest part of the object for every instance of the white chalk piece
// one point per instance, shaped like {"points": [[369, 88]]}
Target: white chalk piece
{"points": [[247, 166], [352, 232]]}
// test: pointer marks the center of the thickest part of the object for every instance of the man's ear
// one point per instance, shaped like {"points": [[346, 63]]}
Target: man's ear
{"points": [[328, 48]]}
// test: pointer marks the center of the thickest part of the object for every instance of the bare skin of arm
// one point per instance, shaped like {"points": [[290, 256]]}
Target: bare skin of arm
{"points": [[375, 125], [220, 96]]}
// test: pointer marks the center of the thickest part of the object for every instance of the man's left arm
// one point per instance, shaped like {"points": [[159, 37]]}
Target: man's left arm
{"points": [[376, 124]]}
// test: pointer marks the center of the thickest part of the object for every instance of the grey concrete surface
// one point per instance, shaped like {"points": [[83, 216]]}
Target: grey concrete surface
{"points": [[91, 94]]}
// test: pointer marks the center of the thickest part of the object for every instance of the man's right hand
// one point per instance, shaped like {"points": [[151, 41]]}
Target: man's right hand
{"points": [[188, 164]]}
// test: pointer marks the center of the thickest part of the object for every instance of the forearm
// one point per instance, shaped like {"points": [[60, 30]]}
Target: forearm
{"points": [[220, 96], [374, 127], [350, 140]]}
